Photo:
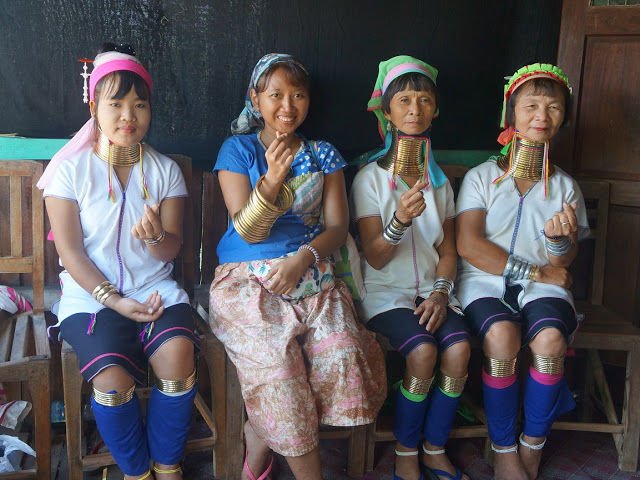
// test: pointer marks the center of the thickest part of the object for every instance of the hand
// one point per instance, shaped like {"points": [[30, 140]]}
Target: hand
{"points": [[562, 224], [279, 159], [411, 203], [150, 225], [554, 275], [433, 311], [149, 311], [285, 275]]}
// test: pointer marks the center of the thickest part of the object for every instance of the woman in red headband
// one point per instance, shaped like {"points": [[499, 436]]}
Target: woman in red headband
{"points": [[115, 206], [518, 222]]}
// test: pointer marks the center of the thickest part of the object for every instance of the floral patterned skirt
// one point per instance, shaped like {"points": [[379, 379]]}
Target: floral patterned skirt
{"points": [[299, 363]]}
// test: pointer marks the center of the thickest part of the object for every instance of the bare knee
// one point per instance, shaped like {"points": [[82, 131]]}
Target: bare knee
{"points": [[455, 359], [502, 341], [174, 359], [113, 378], [549, 342], [421, 360]]}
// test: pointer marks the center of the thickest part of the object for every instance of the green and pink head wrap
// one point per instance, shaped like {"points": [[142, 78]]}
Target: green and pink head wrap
{"points": [[522, 76]]}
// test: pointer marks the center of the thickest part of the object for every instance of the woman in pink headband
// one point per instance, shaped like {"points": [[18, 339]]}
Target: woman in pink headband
{"points": [[115, 206]]}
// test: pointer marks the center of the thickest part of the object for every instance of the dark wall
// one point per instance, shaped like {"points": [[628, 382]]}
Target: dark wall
{"points": [[201, 54]]}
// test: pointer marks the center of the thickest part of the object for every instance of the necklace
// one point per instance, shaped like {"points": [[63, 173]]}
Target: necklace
{"points": [[116, 155], [406, 156]]}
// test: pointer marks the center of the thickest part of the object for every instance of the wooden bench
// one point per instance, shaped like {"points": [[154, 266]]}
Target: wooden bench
{"points": [[601, 329], [25, 355]]}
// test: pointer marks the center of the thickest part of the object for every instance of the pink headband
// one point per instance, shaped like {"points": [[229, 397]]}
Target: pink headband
{"points": [[106, 68]]}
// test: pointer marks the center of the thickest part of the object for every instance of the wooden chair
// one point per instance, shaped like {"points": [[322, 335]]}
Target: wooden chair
{"points": [[381, 430], [73, 383], [229, 407], [24, 347], [604, 330]]}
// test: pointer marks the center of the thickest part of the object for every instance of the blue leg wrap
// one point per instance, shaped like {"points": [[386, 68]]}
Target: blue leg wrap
{"points": [[408, 420], [440, 415], [122, 430], [168, 422], [543, 404], [501, 407]]}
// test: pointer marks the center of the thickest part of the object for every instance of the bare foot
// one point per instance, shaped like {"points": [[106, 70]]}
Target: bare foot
{"points": [[258, 453], [530, 456], [407, 467], [439, 461], [169, 473], [508, 466]]}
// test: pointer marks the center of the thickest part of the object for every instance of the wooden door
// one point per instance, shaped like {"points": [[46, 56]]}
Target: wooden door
{"points": [[599, 49]]}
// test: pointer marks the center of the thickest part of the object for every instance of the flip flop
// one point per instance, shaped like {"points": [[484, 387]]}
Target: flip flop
{"points": [[441, 473], [251, 475]]}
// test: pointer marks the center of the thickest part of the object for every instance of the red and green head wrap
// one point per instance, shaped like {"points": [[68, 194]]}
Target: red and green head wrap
{"points": [[388, 71], [522, 76]]}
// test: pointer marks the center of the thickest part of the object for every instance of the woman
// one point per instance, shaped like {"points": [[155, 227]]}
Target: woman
{"points": [[115, 206], [518, 222], [287, 324], [403, 204]]}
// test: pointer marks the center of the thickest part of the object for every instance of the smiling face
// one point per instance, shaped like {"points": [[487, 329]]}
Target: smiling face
{"points": [[538, 114], [411, 111], [125, 121], [283, 103]]}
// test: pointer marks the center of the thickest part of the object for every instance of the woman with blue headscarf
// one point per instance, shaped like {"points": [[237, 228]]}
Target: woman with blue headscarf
{"points": [[287, 323], [403, 205]]}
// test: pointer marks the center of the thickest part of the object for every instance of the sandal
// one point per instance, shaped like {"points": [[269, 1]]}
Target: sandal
{"points": [[436, 473], [251, 475], [405, 454]]}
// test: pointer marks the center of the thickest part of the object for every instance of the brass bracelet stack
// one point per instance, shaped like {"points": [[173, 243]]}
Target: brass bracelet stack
{"points": [[104, 291], [254, 221], [155, 240]]}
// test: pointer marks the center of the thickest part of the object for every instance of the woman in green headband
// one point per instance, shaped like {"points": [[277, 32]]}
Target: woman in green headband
{"points": [[403, 205], [519, 220]]}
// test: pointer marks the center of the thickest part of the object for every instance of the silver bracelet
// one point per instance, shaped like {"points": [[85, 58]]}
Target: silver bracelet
{"points": [[443, 285], [394, 230], [518, 269], [558, 246]]}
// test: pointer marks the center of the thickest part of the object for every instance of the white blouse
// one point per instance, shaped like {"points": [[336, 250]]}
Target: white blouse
{"points": [[412, 270], [106, 226], [515, 223]]}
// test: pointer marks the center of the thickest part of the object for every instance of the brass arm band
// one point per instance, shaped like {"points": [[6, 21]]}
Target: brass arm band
{"points": [[254, 221], [418, 386], [104, 291], [452, 384], [548, 365], [113, 399], [500, 368], [177, 386]]}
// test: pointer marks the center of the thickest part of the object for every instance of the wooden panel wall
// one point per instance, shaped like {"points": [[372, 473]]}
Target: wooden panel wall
{"points": [[600, 51]]}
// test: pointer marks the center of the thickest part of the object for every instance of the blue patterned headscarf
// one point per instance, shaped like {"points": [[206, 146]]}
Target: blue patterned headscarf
{"points": [[250, 119]]}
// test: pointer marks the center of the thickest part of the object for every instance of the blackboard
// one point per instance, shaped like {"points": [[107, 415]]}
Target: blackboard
{"points": [[201, 54]]}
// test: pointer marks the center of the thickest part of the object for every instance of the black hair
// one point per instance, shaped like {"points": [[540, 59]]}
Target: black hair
{"points": [[541, 86], [296, 75], [413, 81], [119, 83]]}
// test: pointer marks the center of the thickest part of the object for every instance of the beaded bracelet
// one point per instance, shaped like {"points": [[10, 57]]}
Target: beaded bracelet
{"points": [[313, 250], [155, 240]]}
